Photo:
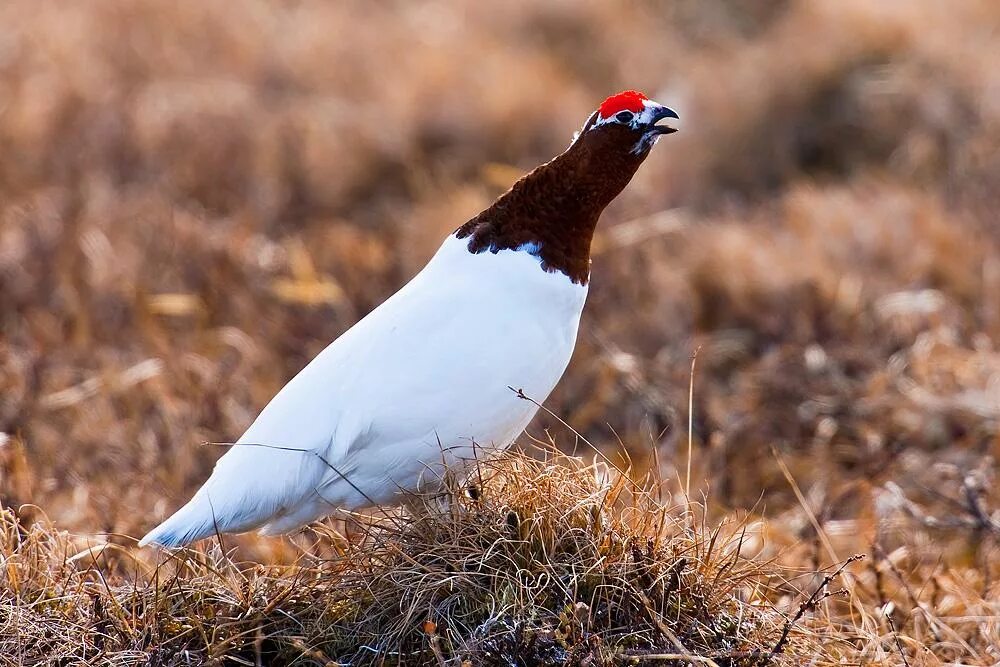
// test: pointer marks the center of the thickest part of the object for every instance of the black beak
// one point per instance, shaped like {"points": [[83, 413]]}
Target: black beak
{"points": [[660, 114]]}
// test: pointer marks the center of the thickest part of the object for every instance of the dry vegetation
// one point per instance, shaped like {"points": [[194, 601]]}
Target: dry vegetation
{"points": [[537, 562], [196, 197]]}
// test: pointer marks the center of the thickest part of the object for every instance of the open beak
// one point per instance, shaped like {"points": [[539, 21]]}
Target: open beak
{"points": [[663, 113]]}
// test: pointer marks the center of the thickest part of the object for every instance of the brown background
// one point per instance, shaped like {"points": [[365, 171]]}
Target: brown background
{"points": [[196, 197]]}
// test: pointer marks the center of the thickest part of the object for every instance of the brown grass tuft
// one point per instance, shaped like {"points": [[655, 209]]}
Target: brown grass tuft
{"points": [[528, 562]]}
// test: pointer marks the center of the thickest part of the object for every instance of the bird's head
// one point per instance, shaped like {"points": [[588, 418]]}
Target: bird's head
{"points": [[553, 210], [627, 123]]}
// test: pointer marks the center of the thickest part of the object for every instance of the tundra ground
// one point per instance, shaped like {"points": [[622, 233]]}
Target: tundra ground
{"points": [[196, 197]]}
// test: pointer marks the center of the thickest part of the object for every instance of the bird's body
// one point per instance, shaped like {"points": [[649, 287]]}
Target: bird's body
{"points": [[430, 375], [422, 377]]}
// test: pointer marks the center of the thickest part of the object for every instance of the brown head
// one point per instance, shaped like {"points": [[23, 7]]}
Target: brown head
{"points": [[552, 212]]}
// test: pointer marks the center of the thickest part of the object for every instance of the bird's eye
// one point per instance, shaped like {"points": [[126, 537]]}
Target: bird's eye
{"points": [[624, 116]]}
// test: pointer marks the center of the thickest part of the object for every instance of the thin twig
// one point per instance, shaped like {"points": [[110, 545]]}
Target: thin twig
{"points": [[895, 636], [820, 533], [520, 394], [809, 604], [687, 484], [317, 455]]}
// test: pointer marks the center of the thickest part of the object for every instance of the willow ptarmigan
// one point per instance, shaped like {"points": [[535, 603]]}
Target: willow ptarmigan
{"points": [[426, 377]]}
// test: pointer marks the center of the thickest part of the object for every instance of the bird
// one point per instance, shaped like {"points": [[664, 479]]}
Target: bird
{"points": [[437, 373]]}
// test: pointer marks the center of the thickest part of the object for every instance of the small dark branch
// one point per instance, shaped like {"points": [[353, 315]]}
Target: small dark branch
{"points": [[971, 515], [895, 636], [317, 455], [817, 596], [215, 526], [910, 595], [520, 394]]}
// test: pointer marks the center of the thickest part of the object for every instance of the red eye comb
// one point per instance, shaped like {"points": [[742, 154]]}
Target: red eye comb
{"points": [[628, 100]]}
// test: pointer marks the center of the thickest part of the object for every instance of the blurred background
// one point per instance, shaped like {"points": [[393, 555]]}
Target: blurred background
{"points": [[196, 197]]}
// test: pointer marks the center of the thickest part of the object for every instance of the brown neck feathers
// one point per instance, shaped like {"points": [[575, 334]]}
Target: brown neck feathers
{"points": [[552, 211]]}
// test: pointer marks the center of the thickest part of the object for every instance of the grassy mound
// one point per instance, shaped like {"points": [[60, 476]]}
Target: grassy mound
{"points": [[528, 562]]}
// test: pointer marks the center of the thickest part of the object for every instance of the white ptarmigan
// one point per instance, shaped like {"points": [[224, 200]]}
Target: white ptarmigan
{"points": [[426, 376]]}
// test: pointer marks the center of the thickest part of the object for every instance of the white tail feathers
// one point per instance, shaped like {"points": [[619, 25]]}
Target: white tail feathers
{"points": [[190, 523], [249, 487]]}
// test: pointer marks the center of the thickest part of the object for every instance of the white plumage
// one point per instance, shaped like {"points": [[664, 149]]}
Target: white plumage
{"points": [[426, 371]]}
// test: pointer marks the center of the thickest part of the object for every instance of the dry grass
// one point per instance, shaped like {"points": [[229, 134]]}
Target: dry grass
{"points": [[528, 562], [195, 197]]}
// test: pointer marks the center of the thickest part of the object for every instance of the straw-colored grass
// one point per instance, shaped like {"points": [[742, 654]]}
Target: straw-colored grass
{"points": [[526, 561]]}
